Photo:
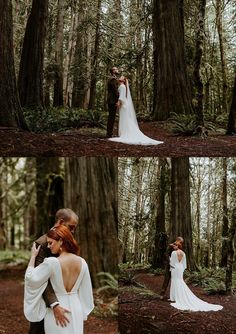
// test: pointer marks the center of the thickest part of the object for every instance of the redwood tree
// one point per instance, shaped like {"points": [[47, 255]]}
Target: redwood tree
{"points": [[49, 190], [30, 81], [231, 128], [10, 110], [181, 222], [91, 191], [171, 87]]}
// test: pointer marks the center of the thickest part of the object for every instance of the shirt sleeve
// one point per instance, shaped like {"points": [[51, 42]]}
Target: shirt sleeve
{"points": [[86, 293], [36, 280]]}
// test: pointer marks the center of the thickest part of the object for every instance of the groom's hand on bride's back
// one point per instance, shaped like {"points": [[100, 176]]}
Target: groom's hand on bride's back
{"points": [[60, 317]]}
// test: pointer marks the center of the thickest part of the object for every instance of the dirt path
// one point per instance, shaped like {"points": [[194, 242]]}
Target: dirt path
{"points": [[147, 314], [92, 142], [12, 320]]}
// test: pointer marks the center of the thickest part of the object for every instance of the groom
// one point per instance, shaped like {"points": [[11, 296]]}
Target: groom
{"points": [[179, 241], [112, 99], [68, 218]]}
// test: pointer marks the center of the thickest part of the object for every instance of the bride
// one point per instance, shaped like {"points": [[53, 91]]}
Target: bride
{"points": [[180, 294], [129, 132], [70, 279]]}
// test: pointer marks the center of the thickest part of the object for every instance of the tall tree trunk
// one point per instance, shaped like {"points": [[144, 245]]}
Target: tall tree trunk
{"points": [[67, 82], [49, 73], [58, 85], [94, 73], [230, 254], [171, 86], [231, 127], [30, 81], [158, 260], [225, 225], [91, 191], [49, 192], [219, 13], [181, 222], [10, 110], [80, 84], [197, 66]]}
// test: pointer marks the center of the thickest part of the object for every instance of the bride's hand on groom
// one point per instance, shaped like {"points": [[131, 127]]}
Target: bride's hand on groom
{"points": [[35, 250], [60, 317]]}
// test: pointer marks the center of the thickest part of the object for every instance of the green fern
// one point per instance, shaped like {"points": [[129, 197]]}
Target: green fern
{"points": [[109, 282]]}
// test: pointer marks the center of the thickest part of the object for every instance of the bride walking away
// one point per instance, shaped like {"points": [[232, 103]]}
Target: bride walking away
{"points": [[181, 296], [129, 132]]}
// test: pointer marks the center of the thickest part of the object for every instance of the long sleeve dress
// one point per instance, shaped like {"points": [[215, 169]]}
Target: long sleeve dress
{"points": [[129, 132], [79, 300], [180, 294]]}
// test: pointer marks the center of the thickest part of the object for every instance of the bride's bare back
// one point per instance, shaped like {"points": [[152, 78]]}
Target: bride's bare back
{"points": [[180, 255], [71, 267]]}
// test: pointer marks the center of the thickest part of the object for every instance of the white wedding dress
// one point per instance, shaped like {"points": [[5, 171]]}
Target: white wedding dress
{"points": [[180, 293], [129, 132], [79, 300]]}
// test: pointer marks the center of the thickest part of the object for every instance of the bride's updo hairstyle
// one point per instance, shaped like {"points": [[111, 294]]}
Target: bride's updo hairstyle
{"points": [[62, 232]]}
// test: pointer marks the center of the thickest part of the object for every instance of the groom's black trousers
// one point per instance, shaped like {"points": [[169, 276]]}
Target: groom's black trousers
{"points": [[166, 280], [112, 108], [37, 327]]}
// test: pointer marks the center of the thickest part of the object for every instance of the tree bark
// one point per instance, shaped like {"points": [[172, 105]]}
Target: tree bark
{"points": [[181, 222], [231, 127], [171, 86], [91, 191], [230, 254], [58, 85], [92, 99], [225, 226], [49, 192], [160, 244], [11, 114], [219, 23], [197, 66], [30, 81], [80, 82]]}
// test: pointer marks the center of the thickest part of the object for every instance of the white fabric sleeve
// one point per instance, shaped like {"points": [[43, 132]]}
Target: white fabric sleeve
{"points": [[122, 93], [173, 260], [36, 280], [184, 262], [86, 293]]}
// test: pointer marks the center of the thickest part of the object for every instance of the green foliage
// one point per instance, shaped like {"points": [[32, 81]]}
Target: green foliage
{"points": [[158, 271], [139, 290], [60, 119], [183, 124], [109, 282], [212, 280], [14, 257]]}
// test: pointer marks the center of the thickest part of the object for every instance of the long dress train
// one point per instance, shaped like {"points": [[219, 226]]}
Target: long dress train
{"points": [[180, 293], [79, 300], [129, 132]]}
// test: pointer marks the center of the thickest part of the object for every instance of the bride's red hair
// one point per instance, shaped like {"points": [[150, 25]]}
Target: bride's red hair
{"points": [[68, 241]]}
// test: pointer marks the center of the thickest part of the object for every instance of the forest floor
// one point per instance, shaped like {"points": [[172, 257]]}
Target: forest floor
{"points": [[86, 141], [12, 320], [142, 312]]}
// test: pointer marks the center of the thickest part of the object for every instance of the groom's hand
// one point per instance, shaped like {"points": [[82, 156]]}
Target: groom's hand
{"points": [[59, 314]]}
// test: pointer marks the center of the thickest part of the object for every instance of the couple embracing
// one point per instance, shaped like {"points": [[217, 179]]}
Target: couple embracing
{"points": [[58, 292], [181, 296], [119, 100]]}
